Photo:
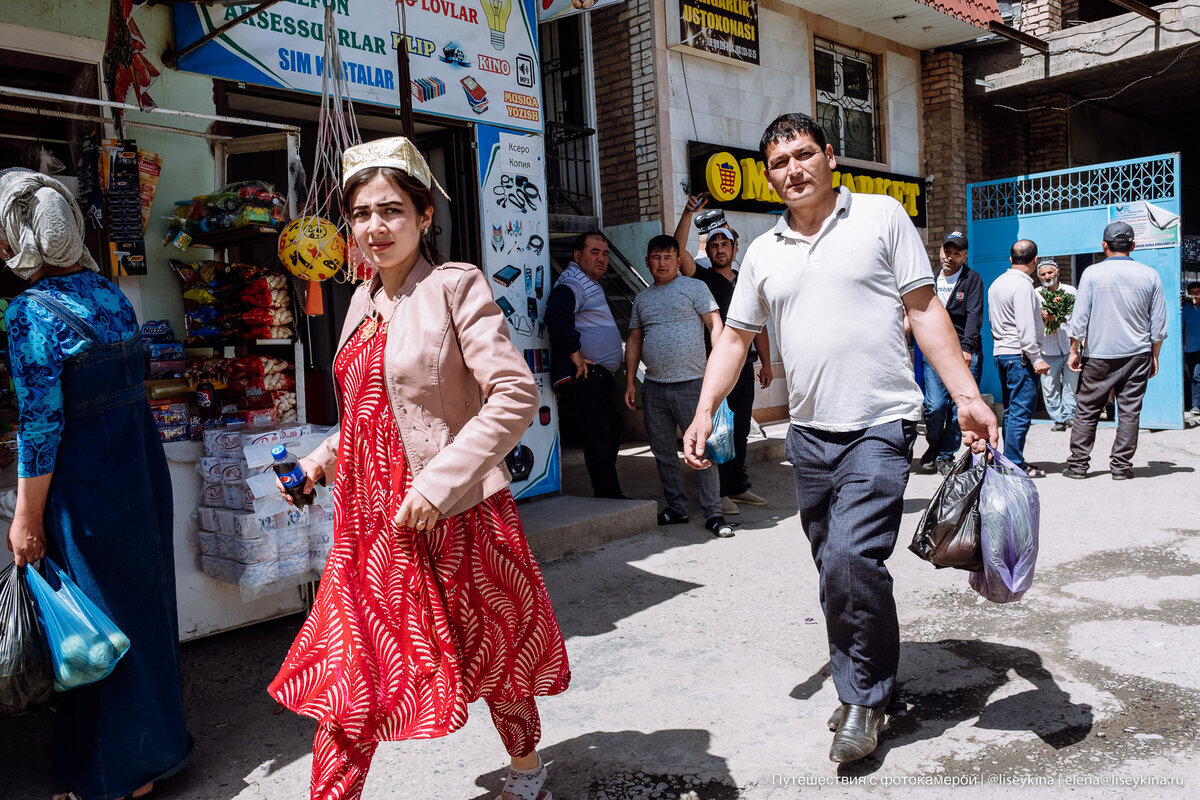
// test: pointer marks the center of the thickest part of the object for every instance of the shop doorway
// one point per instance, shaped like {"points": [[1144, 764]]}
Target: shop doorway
{"points": [[1065, 213], [448, 148]]}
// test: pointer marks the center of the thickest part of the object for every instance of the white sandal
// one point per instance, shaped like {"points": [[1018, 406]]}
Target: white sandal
{"points": [[521, 784]]}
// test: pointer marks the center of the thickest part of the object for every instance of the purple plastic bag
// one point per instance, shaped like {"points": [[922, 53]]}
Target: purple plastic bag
{"points": [[1008, 512]]}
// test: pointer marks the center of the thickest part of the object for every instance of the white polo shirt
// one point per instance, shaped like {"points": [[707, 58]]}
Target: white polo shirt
{"points": [[836, 303]]}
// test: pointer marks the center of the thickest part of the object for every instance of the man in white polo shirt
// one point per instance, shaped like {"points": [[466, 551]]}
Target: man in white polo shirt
{"points": [[837, 274]]}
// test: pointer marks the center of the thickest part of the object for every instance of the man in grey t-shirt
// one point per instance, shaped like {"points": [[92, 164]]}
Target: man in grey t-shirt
{"points": [[837, 274], [666, 333]]}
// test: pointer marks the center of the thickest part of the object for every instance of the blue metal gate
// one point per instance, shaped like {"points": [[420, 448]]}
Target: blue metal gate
{"points": [[1065, 212]]}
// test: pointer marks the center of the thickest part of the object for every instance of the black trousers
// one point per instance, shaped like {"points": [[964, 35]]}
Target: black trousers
{"points": [[734, 478], [1127, 379], [850, 494], [592, 414]]}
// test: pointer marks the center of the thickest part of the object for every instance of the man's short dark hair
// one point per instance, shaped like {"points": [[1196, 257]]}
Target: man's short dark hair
{"points": [[661, 243], [789, 126], [1193, 285], [1023, 252], [1120, 247], [582, 239]]}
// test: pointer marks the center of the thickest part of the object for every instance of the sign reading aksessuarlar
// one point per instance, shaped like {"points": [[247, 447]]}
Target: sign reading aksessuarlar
{"points": [[468, 59], [737, 181]]}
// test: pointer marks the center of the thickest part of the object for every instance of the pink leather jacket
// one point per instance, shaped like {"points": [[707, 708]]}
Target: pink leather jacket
{"points": [[461, 394]]}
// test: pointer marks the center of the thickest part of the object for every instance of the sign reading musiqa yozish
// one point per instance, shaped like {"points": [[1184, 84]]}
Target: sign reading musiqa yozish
{"points": [[720, 27], [516, 260], [737, 182], [473, 60]]}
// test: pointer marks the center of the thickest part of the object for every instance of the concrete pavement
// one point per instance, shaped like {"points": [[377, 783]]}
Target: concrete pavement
{"points": [[700, 665]]}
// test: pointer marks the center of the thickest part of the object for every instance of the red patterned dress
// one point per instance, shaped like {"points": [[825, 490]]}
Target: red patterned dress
{"points": [[409, 627]]}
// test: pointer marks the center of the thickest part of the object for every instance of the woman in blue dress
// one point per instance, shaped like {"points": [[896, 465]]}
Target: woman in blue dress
{"points": [[93, 490]]}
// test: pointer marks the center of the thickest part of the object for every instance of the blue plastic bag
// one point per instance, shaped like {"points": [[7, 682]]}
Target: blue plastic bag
{"points": [[1008, 513], [718, 448], [85, 645]]}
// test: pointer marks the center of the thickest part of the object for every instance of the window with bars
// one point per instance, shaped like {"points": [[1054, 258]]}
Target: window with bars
{"points": [[846, 99]]}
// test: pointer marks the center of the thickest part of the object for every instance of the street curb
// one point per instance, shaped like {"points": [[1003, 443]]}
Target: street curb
{"points": [[558, 526]]}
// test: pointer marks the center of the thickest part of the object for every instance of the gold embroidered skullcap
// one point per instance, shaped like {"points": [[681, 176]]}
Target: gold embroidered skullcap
{"points": [[395, 151]]}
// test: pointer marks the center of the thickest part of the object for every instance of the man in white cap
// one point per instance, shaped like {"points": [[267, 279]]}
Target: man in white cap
{"points": [[1060, 383], [1120, 319]]}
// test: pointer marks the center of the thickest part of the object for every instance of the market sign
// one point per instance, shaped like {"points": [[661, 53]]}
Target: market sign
{"points": [[737, 181], [720, 27], [475, 60]]}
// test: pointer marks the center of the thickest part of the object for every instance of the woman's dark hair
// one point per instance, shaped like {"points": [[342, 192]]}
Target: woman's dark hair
{"points": [[420, 195], [789, 126]]}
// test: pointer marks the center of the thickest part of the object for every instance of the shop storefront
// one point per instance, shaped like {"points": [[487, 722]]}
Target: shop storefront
{"points": [[247, 106]]}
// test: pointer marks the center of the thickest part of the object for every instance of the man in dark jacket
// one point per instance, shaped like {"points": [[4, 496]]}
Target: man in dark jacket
{"points": [[961, 291]]}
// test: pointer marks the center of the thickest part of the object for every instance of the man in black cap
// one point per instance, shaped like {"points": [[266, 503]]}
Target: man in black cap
{"points": [[1120, 320], [961, 291]]}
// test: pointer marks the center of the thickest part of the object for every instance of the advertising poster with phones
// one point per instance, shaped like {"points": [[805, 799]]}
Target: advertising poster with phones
{"points": [[516, 259], [475, 60]]}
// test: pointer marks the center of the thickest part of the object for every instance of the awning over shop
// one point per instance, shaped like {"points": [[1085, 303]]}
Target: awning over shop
{"points": [[923, 24]]}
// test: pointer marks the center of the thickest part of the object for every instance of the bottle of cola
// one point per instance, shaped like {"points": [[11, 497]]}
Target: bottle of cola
{"points": [[291, 476]]}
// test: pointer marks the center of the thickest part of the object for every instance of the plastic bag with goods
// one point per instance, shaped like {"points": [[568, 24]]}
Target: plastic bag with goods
{"points": [[85, 645], [719, 447], [26, 672], [1008, 509], [948, 533]]}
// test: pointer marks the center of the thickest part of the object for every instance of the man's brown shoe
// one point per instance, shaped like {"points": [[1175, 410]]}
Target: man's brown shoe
{"points": [[858, 733]]}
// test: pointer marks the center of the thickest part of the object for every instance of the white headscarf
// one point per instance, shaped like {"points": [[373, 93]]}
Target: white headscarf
{"points": [[41, 222]]}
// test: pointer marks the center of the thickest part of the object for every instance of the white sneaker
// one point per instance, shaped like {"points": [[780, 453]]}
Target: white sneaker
{"points": [[729, 507]]}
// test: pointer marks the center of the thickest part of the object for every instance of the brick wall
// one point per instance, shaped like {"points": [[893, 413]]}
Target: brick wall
{"points": [[973, 126], [1005, 137], [1048, 131], [945, 143], [623, 57], [1039, 17]]}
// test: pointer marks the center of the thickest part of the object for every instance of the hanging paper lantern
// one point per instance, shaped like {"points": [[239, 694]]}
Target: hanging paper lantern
{"points": [[311, 248]]}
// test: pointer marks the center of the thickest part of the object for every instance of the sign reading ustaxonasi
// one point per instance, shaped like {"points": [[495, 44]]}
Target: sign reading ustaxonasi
{"points": [[474, 60]]}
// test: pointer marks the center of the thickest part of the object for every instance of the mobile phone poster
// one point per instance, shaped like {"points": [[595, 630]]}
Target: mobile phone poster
{"points": [[516, 259]]}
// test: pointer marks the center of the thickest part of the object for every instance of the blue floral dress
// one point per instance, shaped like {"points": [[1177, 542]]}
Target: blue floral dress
{"points": [[78, 364], [38, 344]]}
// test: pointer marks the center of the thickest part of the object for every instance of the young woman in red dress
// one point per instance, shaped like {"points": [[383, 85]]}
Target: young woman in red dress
{"points": [[430, 598]]}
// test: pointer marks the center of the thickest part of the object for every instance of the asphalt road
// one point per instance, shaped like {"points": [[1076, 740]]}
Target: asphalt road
{"points": [[700, 666]]}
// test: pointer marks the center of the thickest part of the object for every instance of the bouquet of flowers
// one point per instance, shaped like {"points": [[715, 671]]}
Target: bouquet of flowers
{"points": [[1058, 304]]}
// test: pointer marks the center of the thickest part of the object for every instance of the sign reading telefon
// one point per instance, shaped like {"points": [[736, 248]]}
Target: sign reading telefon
{"points": [[473, 60], [726, 28], [736, 180]]}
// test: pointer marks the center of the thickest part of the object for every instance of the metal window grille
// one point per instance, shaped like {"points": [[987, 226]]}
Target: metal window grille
{"points": [[1085, 188], [847, 99]]}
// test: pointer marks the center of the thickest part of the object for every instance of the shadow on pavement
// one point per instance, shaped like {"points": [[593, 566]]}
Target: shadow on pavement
{"points": [[942, 684], [239, 736], [614, 765]]}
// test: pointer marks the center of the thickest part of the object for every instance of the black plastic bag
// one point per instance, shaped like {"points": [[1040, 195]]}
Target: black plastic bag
{"points": [[26, 672], [948, 534]]}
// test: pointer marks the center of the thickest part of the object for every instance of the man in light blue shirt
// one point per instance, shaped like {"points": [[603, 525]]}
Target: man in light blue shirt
{"points": [[1120, 319]]}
